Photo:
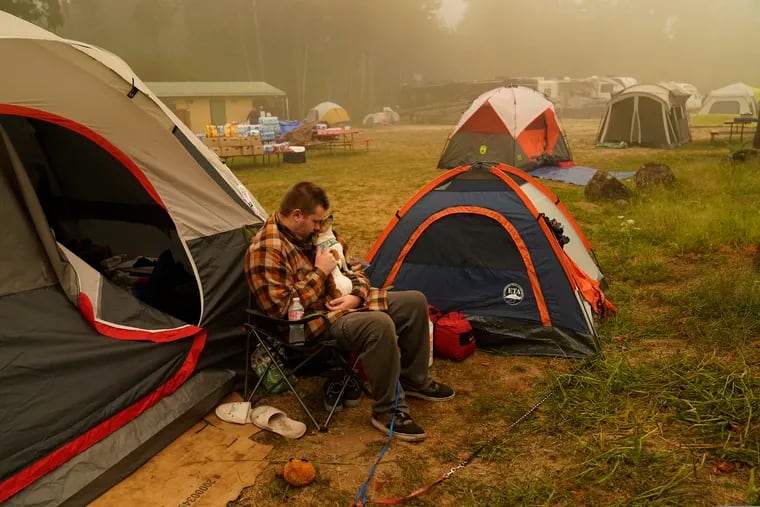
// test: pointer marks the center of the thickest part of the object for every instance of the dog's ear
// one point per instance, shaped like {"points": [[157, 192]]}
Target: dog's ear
{"points": [[326, 225]]}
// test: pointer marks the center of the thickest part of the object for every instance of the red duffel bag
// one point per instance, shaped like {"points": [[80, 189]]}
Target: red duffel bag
{"points": [[452, 334]]}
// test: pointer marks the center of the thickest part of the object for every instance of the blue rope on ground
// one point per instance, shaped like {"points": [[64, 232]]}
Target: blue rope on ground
{"points": [[361, 496]]}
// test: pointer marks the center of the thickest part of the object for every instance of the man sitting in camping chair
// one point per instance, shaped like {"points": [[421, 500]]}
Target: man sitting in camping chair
{"points": [[388, 330]]}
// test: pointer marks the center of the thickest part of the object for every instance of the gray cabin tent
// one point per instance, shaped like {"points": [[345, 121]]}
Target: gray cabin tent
{"points": [[121, 280], [646, 115]]}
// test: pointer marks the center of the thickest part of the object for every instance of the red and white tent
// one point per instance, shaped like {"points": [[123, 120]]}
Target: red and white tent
{"points": [[513, 125]]}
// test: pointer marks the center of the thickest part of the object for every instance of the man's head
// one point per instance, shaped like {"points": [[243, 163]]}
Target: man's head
{"points": [[303, 209]]}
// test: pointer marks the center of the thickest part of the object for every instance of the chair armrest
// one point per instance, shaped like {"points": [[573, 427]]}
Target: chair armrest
{"points": [[257, 315], [278, 328]]}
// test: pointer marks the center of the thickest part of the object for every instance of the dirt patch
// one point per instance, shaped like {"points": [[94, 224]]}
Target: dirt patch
{"points": [[345, 454]]}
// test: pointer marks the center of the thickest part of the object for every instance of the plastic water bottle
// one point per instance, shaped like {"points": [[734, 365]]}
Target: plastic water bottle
{"points": [[295, 312]]}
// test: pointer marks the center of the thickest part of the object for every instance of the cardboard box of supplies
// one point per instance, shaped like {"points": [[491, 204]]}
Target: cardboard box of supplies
{"points": [[232, 151], [229, 141], [250, 141], [211, 142]]}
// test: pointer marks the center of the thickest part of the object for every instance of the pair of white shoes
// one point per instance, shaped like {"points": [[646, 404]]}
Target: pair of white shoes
{"points": [[263, 416]]}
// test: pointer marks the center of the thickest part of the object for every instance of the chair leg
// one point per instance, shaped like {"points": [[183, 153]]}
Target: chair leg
{"points": [[295, 393], [349, 372], [258, 384], [343, 385], [355, 375], [284, 377], [246, 364], [269, 345]]}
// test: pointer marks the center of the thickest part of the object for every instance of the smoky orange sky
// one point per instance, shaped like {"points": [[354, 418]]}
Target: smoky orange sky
{"points": [[709, 43]]}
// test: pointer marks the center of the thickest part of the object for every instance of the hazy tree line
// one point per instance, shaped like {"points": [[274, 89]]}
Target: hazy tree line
{"points": [[353, 52], [360, 52]]}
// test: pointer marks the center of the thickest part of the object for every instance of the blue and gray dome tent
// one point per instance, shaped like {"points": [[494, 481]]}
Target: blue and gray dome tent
{"points": [[479, 239]]}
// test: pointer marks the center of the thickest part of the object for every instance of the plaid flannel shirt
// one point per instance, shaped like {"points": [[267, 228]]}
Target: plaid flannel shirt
{"points": [[280, 267]]}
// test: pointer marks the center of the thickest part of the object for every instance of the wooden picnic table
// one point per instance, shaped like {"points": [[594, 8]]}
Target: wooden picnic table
{"points": [[265, 158], [336, 138], [737, 125]]}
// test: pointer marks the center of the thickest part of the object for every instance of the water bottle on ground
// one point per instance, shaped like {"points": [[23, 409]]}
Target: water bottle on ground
{"points": [[295, 312]]}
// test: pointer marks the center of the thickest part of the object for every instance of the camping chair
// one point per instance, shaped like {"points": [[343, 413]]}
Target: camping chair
{"points": [[272, 334]]}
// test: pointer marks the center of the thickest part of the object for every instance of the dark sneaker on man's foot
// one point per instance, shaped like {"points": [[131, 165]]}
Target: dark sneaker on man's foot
{"points": [[404, 427], [331, 390], [433, 392], [353, 394]]}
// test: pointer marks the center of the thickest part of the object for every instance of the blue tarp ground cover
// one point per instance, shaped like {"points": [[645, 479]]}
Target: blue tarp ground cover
{"points": [[288, 125], [578, 175]]}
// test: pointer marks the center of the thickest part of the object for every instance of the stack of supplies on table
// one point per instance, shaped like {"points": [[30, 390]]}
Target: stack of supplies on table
{"points": [[277, 147], [269, 127], [233, 140], [333, 131]]}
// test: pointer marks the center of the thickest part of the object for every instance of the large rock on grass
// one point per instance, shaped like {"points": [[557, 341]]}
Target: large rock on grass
{"points": [[744, 154], [605, 187], [653, 175]]}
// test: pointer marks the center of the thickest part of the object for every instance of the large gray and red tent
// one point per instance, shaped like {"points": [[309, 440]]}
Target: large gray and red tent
{"points": [[512, 125], [480, 239], [93, 378]]}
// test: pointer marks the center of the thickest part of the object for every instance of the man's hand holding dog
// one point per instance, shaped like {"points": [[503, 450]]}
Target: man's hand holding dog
{"points": [[325, 261], [347, 302]]}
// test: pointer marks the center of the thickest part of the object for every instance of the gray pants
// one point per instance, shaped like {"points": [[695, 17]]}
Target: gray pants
{"points": [[372, 335]]}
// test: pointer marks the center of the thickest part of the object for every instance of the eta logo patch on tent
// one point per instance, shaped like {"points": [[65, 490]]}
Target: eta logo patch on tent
{"points": [[513, 294]]}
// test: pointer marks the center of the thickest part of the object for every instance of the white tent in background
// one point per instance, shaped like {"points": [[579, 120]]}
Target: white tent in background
{"points": [[695, 97], [734, 99]]}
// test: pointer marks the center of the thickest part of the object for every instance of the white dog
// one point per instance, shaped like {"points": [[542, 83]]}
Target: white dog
{"points": [[326, 240]]}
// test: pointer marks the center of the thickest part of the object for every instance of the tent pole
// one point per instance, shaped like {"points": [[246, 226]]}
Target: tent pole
{"points": [[514, 122], [668, 127], [65, 276], [634, 121]]}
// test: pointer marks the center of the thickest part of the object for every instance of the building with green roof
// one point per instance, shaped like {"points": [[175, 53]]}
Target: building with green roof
{"points": [[200, 103]]}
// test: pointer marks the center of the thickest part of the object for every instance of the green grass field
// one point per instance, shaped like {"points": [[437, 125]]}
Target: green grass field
{"points": [[669, 415]]}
